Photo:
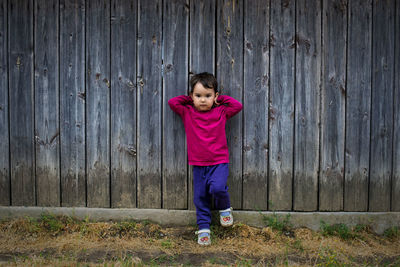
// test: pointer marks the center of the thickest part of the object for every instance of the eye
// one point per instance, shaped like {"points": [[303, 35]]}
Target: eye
{"points": [[197, 95], [209, 96]]}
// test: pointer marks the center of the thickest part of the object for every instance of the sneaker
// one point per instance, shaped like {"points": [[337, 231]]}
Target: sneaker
{"points": [[203, 237], [225, 217]]}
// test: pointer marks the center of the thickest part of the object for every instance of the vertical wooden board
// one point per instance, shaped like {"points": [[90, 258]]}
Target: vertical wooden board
{"points": [[98, 102], [230, 77], [396, 122], [20, 24], [333, 100], [307, 104], [202, 36], [4, 137], [202, 52], [149, 104], [255, 139], [382, 105], [123, 107], [358, 106], [175, 81], [281, 104], [47, 133], [72, 103]]}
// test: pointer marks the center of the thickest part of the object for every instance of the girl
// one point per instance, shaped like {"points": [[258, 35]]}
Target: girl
{"points": [[204, 114]]}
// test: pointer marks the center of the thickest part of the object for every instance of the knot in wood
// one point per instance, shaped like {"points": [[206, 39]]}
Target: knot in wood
{"points": [[107, 82], [82, 95], [169, 68], [249, 46], [18, 62]]}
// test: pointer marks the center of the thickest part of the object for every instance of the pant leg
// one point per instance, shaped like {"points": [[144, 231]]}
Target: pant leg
{"points": [[218, 177], [201, 198]]}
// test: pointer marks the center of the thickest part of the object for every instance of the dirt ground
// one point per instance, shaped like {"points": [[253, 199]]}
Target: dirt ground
{"points": [[64, 241]]}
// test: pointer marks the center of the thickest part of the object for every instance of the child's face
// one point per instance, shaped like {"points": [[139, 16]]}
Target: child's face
{"points": [[203, 98]]}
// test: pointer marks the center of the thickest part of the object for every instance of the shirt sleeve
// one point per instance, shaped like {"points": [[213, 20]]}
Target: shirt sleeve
{"points": [[177, 104], [232, 106]]}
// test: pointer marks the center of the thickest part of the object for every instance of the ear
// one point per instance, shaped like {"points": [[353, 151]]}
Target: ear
{"points": [[216, 97]]}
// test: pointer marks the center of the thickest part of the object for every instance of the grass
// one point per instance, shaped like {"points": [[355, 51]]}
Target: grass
{"points": [[244, 263], [163, 259], [340, 229], [392, 232], [278, 223], [214, 260], [167, 244], [298, 245], [46, 241], [329, 258], [52, 223]]}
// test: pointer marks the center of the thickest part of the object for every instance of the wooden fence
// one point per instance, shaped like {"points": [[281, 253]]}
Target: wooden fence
{"points": [[84, 88]]}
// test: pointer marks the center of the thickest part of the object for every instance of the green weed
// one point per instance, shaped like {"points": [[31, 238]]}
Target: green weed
{"points": [[163, 259], [244, 263], [329, 258], [33, 225], [145, 222], [361, 228], [124, 228], [51, 223], [213, 260], [167, 244], [297, 245], [392, 232], [278, 223], [128, 261], [340, 230]]}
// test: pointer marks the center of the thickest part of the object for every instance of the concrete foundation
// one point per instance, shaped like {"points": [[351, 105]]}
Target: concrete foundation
{"points": [[379, 221]]}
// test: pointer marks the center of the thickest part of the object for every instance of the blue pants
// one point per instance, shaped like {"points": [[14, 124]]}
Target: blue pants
{"points": [[210, 181]]}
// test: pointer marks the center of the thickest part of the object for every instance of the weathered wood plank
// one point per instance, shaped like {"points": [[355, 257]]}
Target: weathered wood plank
{"points": [[123, 107], [382, 105], [202, 52], [358, 106], [255, 139], [333, 96], [307, 95], [202, 36], [47, 130], [72, 103], [372, 142], [396, 122], [149, 104], [20, 23], [281, 104], [176, 41], [4, 137], [98, 102], [230, 77]]}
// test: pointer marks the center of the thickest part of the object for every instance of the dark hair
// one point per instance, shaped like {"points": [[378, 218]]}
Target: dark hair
{"points": [[206, 79]]}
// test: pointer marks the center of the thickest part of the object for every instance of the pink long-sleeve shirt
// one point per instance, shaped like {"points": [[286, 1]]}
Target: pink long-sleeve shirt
{"points": [[205, 131]]}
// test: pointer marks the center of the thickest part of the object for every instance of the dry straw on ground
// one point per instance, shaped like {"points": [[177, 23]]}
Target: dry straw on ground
{"points": [[63, 241]]}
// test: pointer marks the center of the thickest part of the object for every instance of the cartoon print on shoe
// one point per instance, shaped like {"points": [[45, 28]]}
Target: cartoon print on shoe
{"points": [[225, 217], [203, 237]]}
